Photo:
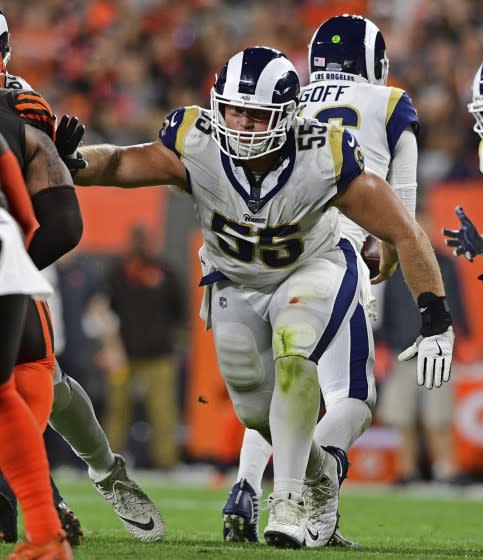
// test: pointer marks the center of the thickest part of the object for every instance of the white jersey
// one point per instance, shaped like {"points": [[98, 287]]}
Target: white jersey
{"points": [[258, 234], [376, 115], [15, 82], [18, 274]]}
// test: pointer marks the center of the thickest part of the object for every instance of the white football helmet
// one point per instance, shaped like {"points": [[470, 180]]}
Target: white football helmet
{"points": [[5, 50], [350, 44], [258, 78], [476, 106]]}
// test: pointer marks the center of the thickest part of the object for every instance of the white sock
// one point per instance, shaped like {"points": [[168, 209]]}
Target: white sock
{"points": [[254, 456], [316, 462], [344, 421], [73, 417], [287, 488], [293, 415]]}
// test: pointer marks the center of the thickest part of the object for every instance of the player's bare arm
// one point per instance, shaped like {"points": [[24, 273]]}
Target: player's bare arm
{"points": [[44, 167], [131, 166], [370, 202]]}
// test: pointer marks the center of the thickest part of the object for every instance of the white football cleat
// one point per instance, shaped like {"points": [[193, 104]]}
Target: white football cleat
{"points": [[286, 520], [137, 512], [322, 499]]}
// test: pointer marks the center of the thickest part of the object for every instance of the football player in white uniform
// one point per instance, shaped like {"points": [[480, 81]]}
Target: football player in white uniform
{"points": [[467, 241], [280, 282], [348, 73], [73, 415]]}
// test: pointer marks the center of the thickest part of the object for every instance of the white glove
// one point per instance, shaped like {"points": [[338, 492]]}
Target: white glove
{"points": [[434, 358]]}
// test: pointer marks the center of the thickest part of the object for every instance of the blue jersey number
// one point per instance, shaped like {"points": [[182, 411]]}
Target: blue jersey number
{"points": [[348, 117], [272, 247]]}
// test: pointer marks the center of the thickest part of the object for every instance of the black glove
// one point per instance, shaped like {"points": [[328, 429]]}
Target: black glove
{"points": [[467, 240], [69, 135]]}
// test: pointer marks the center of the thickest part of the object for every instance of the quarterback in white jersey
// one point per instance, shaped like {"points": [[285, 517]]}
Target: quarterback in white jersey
{"points": [[382, 119], [281, 281]]}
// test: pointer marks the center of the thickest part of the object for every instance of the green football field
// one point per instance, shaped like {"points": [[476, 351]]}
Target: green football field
{"points": [[390, 525]]}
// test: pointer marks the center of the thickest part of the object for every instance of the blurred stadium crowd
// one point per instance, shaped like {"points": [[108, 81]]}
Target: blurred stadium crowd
{"points": [[121, 65]]}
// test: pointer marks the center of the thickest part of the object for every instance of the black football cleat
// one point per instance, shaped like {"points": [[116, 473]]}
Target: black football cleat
{"points": [[70, 524], [8, 520]]}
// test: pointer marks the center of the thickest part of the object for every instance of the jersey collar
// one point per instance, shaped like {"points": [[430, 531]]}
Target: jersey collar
{"points": [[227, 163]]}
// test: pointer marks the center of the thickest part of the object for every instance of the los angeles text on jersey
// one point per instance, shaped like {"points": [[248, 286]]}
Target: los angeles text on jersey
{"points": [[333, 76]]}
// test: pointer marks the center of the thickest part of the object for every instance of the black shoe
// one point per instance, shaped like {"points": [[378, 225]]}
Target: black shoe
{"points": [[70, 524], [8, 520]]}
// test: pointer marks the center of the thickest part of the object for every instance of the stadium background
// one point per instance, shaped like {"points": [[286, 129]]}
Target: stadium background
{"points": [[121, 65]]}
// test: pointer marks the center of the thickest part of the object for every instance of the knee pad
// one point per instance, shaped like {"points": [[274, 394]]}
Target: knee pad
{"points": [[357, 407], [295, 334], [238, 357], [253, 413]]}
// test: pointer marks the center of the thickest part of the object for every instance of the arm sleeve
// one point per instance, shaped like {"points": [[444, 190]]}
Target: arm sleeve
{"points": [[403, 169], [58, 213]]}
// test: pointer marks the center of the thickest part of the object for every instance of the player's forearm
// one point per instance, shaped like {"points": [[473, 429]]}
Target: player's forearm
{"points": [[102, 164], [419, 265]]}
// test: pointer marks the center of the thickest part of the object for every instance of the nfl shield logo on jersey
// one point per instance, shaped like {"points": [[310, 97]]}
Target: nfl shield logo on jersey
{"points": [[255, 205], [223, 302]]}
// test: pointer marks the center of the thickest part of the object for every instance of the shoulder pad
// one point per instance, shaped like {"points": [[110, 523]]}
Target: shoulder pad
{"points": [[34, 110], [16, 82], [179, 123], [346, 154], [400, 114]]}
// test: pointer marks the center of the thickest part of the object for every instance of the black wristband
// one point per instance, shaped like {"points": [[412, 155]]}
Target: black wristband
{"points": [[435, 314]]}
